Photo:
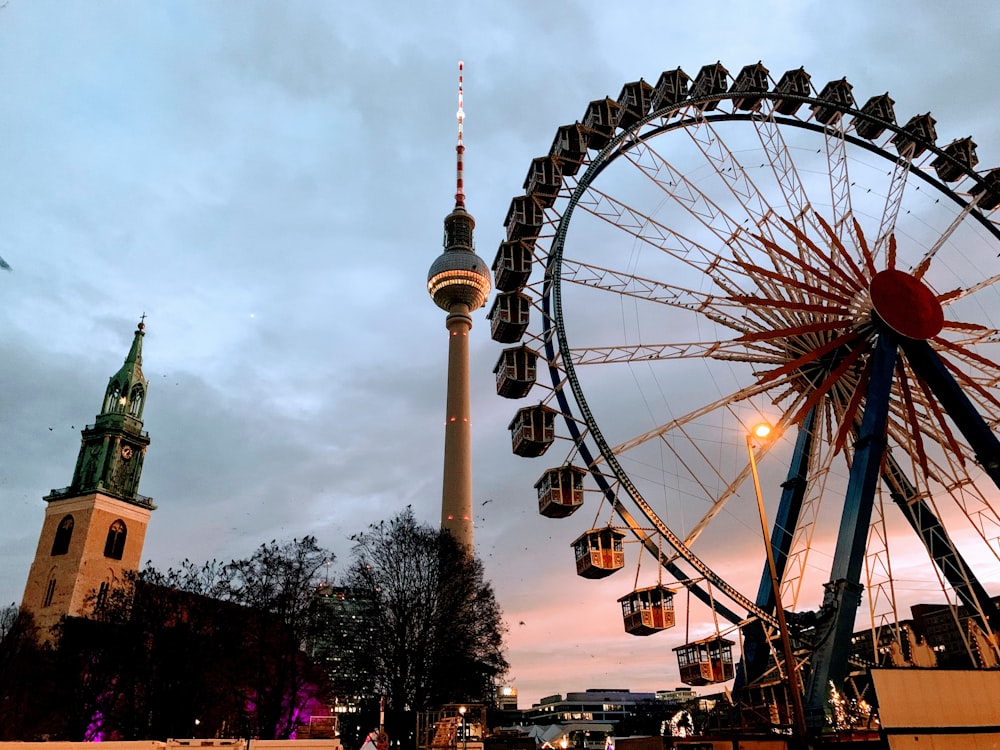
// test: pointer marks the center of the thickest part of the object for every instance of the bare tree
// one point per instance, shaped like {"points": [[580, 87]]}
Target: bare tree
{"points": [[436, 634]]}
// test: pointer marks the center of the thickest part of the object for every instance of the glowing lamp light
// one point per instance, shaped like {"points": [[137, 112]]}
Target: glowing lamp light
{"points": [[761, 431]]}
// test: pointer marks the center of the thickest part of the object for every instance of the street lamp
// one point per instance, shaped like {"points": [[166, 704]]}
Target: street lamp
{"points": [[761, 432], [465, 733]]}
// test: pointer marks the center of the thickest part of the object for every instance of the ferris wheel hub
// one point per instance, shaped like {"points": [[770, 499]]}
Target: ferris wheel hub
{"points": [[906, 304]]}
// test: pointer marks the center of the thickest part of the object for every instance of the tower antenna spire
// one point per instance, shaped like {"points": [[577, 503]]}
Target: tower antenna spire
{"points": [[460, 146]]}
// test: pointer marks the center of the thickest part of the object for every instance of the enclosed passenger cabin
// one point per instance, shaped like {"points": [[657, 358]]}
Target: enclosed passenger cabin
{"points": [[711, 79], [963, 152], [706, 662], [750, 82], [542, 181], [793, 83], [838, 94], [990, 190], [880, 107], [512, 264], [599, 552], [560, 491], [516, 371], [568, 148], [532, 430], [918, 133], [599, 122], [671, 89], [649, 610], [634, 102], [509, 317], [524, 218]]}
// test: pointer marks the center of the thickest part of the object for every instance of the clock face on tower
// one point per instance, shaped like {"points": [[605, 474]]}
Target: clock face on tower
{"points": [[126, 452]]}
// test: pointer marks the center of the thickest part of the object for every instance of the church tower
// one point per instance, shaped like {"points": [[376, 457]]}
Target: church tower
{"points": [[94, 529]]}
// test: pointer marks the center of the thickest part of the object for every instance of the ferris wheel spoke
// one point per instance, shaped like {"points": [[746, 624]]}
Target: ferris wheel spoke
{"points": [[786, 174], [893, 201], [971, 502], [925, 262], [937, 423], [866, 253], [619, 282], [722, 403], [957, 294], [925, 520], [810, 289], [721, 498], [723, 272], [982, 395], [978, 510], [974, 334], [809, 266], [878, 578], [732, 351], [987, 367], [675, 185], [840, 185], [811, 356], [910, 414], [843, 255], [652, 232], [797, 560], [717, 153]]}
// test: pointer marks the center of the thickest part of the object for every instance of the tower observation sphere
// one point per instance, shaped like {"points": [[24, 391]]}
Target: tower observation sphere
{"points": [[459, 277], [458, 282]]}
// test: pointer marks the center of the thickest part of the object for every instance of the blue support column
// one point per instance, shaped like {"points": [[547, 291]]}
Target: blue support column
{"points": [[843, 592]]}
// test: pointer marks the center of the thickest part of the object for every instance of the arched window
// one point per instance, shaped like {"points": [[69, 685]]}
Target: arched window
{"points": [[114, 547], [60, 545], [50, 591], [135, 405], [102, 594], [111, 400]]}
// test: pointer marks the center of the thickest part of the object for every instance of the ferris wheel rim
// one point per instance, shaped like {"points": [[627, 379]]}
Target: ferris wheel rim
{"points": [[552, 318]]}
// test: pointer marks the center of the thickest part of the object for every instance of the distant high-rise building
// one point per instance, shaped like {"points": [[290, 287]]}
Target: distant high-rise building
{"points": [[458, 282], [347, 616], [94, 529]]}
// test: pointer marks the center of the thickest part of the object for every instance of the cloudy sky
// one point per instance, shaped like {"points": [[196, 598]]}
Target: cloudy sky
{"points": [[266, 181]]}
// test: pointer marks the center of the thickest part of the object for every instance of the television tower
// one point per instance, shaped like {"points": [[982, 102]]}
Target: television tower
{"points": [[458, 282]]}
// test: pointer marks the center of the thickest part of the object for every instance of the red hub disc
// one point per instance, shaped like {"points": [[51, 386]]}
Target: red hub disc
{"points": [[906, 304]]}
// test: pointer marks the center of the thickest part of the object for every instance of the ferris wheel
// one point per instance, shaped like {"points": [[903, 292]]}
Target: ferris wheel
{"points": [[704, 254]]}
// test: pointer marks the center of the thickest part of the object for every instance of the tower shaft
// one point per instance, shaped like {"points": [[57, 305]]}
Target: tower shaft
{"points": [[456, 496]]}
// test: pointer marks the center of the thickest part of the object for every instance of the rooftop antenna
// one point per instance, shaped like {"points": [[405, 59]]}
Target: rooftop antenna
{"points": [[460, 146]]}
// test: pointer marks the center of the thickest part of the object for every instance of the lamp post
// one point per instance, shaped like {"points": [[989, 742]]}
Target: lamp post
{"points": [[465, 733], [762, 431]]}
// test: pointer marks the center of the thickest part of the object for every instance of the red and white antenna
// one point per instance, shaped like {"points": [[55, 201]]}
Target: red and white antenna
{"points": [[460, 147]]}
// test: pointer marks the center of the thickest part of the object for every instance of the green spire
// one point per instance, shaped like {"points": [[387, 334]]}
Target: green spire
{"points": [[113, 448], [125, 396]]}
